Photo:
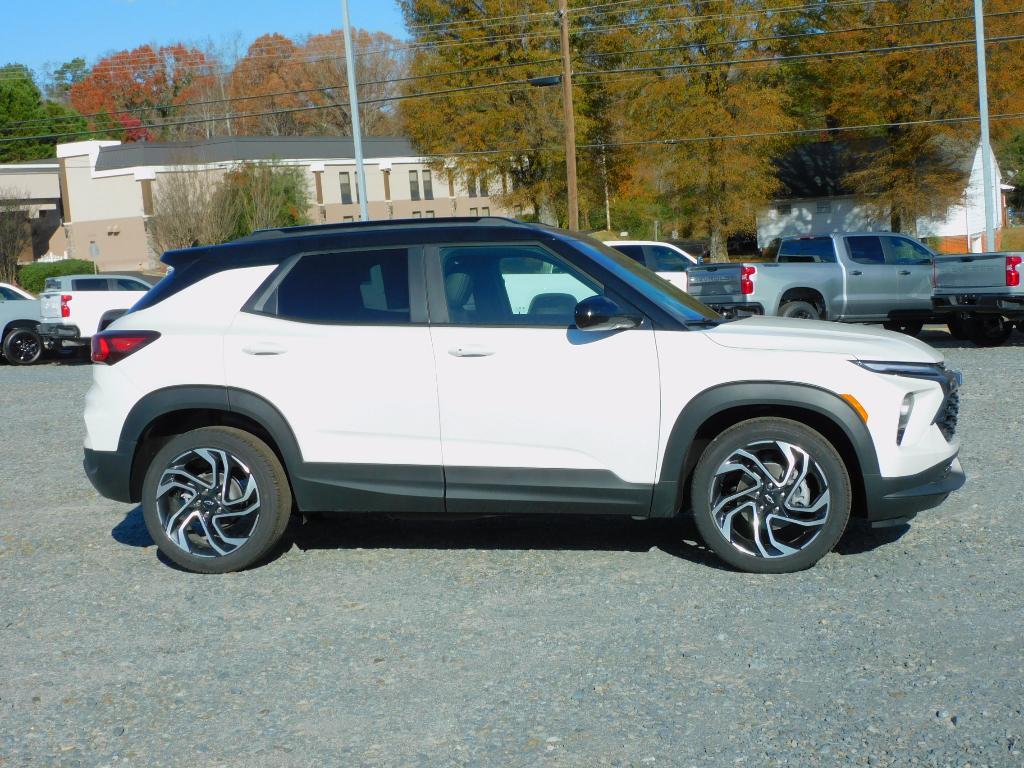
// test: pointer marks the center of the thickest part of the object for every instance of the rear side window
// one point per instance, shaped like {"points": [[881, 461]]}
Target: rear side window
{"points": [[359, 288], [807, 250], [52, 284], [866, 249], [635, 252], [90, 284]]}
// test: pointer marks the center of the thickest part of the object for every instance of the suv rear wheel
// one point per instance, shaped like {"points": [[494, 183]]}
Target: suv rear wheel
{"points": [[216, 500], [771, 495]]}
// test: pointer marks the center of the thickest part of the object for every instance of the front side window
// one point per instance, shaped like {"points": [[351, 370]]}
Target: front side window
{"points": [[414, 185], [866, 249], [521, 285], [667, 260], [358, 288], [124, 284], [904, 251]]}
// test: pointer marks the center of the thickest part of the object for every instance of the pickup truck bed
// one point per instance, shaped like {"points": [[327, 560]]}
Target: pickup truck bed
{"points": [[984, 292]]}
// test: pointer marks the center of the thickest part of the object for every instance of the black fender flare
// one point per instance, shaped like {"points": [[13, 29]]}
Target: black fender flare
{"points": [[679, 460]]}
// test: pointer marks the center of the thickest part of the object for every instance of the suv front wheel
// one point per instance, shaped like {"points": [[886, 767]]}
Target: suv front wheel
{"points": [[771, 495], [216, 500]]}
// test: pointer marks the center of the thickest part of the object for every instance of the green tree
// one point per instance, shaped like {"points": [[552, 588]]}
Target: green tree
{"points": [[267, 195], [64, 77], [24, 114]]}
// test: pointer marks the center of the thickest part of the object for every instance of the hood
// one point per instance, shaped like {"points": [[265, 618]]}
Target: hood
{"points": [[786, 334]]}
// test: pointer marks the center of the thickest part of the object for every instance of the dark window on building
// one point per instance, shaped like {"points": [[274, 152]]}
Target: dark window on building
{"points": [[370, 287], [484, 192], [346, 187], [866, 249], [414, 185], [471, 186], [428, 215], [428, 186]]}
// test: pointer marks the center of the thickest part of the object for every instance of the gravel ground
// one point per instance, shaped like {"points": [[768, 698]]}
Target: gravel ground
{"points": [[507, 642]]}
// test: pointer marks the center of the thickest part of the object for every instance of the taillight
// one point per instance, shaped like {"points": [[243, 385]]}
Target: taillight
{"points": [[110, 347], [1012, 275], [746, 279], [65, 310]]}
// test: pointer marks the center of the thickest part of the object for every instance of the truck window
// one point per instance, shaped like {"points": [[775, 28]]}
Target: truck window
{"points": [[866, 249], [807, 250], [635, 252], [90, 284], [126, 284], [7, 294], [904, 251], [667, 260]]}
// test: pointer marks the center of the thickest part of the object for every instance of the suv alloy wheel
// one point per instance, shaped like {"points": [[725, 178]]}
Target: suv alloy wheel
{"points": [[771, 495], [216, 500]]}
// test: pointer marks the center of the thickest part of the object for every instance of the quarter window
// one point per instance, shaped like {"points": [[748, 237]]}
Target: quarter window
{"points": [[360, 288], [866, 249], [512, 285]]}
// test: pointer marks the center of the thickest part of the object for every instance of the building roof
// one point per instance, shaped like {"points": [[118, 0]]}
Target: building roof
{"points": [[820, 169], [239, 148]]}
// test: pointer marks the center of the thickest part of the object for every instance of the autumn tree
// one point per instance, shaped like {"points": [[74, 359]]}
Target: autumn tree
{"points": [[25, 115], [192, 207], [144, 86]]}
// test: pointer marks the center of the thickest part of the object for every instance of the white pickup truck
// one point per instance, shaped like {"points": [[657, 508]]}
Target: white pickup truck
{"points": [[982, 294], [73, 306]]}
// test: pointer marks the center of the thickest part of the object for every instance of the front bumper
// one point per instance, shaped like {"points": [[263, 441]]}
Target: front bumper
{"points": [[110, 472], [892, 500], [1008, 305]]}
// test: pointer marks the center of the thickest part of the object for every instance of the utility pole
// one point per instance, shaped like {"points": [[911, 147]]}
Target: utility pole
{"points": [[353, 105], [986, 148], [569, 120]]}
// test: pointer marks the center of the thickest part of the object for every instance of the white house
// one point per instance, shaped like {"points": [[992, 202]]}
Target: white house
{"points": [[817, 201]]}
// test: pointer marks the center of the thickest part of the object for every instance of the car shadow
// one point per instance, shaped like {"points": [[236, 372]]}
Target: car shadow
{"points": [[942, 339], [678, 538]]}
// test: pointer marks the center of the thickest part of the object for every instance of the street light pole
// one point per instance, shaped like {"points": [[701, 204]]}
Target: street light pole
{"points": [[353, 105], [569, 120], [986, 149]]}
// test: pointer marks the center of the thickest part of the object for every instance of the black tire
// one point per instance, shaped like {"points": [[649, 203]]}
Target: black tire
{"points": [[803, 310], [959, 328], [259, 533], [811, 541], [910, 328], [22, 346], [989, 330]]}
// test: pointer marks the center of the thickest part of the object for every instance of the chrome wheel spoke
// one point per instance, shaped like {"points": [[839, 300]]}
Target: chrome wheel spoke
{"points": [[770, 499], [208, 502]]}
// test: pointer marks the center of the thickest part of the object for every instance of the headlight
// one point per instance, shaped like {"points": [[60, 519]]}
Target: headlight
{"points": [[913, 370], [906, 408]]}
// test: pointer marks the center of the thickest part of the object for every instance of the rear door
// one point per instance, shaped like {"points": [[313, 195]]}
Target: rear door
{"points": [[913, 272], [338, 343], [537, 415], [871, 281]]}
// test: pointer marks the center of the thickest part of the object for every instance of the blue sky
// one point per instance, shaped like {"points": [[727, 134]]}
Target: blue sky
{"points": [[58, 30]]}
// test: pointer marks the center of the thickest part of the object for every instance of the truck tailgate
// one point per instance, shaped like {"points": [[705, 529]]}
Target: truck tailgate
{"points": [[714, 280], [49, 307], [972, 271]]}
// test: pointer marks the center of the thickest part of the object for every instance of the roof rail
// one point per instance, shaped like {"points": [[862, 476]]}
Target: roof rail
{"points": [[326, 229]]}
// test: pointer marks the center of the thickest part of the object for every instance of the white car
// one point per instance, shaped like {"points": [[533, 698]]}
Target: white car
{"points": [[386, 367], [20, 343], [73, 305], [664, 259]]}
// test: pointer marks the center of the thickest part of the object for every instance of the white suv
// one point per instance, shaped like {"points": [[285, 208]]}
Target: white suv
{"points": [[485, 366]]}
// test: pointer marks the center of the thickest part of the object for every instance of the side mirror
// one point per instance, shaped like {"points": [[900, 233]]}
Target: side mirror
{"points": [[599, 313], [700, 259]]}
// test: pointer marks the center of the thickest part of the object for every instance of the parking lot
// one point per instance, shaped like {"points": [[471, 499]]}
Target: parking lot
{"points": [[579, 642]]}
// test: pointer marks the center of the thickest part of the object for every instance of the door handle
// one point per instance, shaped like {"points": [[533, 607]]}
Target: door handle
{"points": [[904, 272], [856, 272], [261, 348], [470, 350]]}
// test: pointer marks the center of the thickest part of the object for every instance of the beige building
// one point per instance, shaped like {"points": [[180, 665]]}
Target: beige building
{"points": [[99, 195], [36, 186]]}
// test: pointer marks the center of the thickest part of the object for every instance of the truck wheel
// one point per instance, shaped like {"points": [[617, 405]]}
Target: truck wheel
{"points": [[910, 328], [989, 330], [800, 309], [771, 495], [22, 346], [958, 328], [216, 500]]}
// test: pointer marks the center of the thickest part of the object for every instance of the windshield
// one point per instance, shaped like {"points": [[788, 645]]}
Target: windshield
{"points": [[659, 290]]}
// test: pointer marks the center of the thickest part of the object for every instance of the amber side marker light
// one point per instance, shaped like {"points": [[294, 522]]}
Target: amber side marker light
{"points": [[855, 404]]}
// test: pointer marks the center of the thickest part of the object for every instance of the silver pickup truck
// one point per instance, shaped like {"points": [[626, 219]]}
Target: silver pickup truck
{"points": [[981, 294], [857, 277]]}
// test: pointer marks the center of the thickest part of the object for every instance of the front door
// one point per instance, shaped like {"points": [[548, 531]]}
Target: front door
{"points": [[871, 284], [913, 272], [338, 344], [537, 415]]}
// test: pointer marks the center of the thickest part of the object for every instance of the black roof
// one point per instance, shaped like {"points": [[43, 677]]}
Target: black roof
{"points": [[239, 148], [268, 246]]}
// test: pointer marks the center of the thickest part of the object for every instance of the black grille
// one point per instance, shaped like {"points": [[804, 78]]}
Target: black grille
{"points": [[949, 412]]}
